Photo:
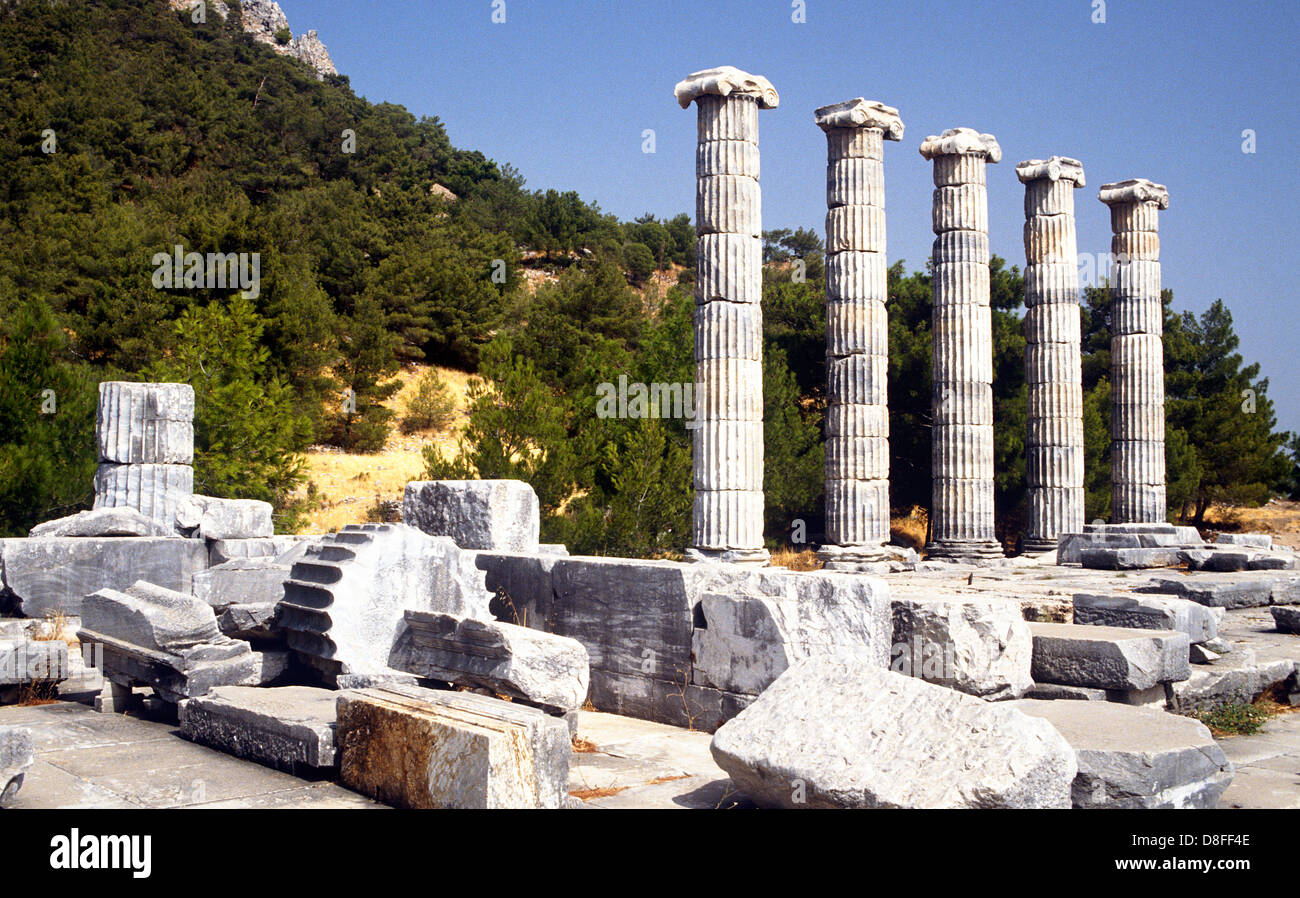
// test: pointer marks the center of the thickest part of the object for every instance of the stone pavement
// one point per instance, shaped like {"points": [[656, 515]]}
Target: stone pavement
{"points": [[1268, 766], [89, 760]]}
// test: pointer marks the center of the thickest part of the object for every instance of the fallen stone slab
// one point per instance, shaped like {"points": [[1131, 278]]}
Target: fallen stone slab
{"points": [[213, 518], [121, 521], [832, 734], [1148, 612], [421, 748], [1286, 617], [1129, 559], [541, 668], [493, 515], [1108, 657], [17, 752], [54, 574], [285, 727], [163, 639], [1201, 655], [1238, 679], [1231, 590], [978, 646], [1252, 540], [1136, 757], [1227, 560], [242, 581], [344, 602]]}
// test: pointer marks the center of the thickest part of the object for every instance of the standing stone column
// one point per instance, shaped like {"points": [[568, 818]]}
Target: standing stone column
{"points": [[145, 437], [961, 455], [1137, 370], [728, 453], [1054, 442], [857, 333]]}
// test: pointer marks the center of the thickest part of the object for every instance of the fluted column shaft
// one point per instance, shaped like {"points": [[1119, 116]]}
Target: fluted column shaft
{"points": [[727, 520], [145, 436], [857, 332], [1054, 441], [962, 436], [1137, 371]]}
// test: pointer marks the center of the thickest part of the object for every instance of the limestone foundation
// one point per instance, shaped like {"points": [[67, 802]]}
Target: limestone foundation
{"points": [[728, 427], [1054, 442], [857, 332], [1137, 373], [961, 512]]}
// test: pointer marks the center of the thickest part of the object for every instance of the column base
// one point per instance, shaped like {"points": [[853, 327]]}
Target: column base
{"points": [[1035, 545], [964, 550], [869, 559], [728, 556]]}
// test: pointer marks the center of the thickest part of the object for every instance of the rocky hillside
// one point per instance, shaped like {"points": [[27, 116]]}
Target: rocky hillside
{"points": [[267, 23]]}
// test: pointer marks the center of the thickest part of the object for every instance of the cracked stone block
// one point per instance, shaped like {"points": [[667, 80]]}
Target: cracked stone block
{"points": [[213, 518], [242, 581], [830, 733], [495, 515], [980, 646], [420, 748]]}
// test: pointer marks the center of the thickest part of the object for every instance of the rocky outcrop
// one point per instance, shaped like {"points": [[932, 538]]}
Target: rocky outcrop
{"points": [[267, 23]]}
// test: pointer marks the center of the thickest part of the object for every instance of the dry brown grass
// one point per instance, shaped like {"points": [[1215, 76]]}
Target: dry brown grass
{"points": [[603, 792], [910, 529], [54, 628], [1281, 518], [802, 560], [43, 692], [350, 485], [583, 746]]}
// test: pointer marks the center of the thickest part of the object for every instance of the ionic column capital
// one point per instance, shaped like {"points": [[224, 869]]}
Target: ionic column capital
{"points": [[1134, 190], [860, 113], [725, 81], [1057, 168], [962, 142]]}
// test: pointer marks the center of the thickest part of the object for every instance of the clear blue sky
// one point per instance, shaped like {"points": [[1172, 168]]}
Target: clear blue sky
{"points": [[1161, 90]]}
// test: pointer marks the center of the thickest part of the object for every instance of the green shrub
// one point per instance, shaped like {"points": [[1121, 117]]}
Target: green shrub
{"points": [[431, 406]]}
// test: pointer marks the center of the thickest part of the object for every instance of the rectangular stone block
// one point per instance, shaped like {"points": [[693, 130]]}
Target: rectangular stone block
{"points": [[494, 515], [418, 748], [1108, 657], [56, 573], [1148, 612], [285, 727]]}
